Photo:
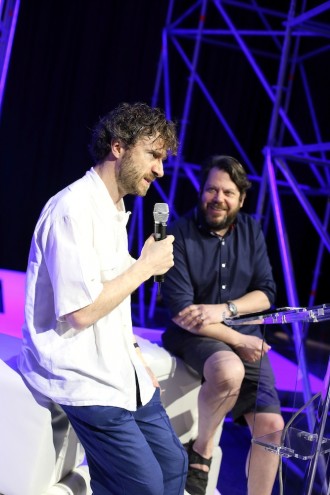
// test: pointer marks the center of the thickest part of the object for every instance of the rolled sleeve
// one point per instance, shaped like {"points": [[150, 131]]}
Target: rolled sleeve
{"points": [[263, 275]]}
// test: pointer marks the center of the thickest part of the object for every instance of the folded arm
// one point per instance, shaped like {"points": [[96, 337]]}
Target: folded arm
{"points": [[206, 320], [204, 314], [156, 258]]}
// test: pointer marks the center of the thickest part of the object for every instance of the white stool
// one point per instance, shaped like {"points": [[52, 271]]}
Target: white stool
{"points": [[39, 451]]}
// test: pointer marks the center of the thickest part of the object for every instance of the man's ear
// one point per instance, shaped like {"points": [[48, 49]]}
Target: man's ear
{"points": [[243, 196], [116, 148]]}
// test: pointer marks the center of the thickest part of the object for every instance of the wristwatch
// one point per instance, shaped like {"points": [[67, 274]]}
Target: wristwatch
{"points": [[232, 308]]}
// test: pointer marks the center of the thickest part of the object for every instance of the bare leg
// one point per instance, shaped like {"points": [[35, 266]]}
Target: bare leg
{"points": [[223, 373], [262, 465]]}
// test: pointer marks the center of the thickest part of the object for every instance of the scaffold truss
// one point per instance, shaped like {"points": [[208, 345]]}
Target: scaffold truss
{"points": [[8, 17], [286, 49], [286, 52]]}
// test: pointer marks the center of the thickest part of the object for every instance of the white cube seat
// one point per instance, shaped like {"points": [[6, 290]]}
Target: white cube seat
{"points": [[38, 446], [39, 451]]}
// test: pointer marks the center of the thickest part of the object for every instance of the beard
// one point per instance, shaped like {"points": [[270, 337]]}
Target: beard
{"points": [[215, 225], [129, 178]]}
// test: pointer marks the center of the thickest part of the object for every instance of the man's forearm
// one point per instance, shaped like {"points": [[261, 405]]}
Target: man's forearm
{"points": [[113, 293], [218, 331], [252, 302], [202, 315]]}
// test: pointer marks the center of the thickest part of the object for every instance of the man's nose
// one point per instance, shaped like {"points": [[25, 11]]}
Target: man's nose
{"points": [[158, 168], [220, 196]]}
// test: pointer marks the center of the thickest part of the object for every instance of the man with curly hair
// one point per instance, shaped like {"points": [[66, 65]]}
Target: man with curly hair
{"points": [[78, 347]]}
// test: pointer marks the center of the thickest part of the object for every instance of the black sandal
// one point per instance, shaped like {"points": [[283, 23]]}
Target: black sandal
{"points": [[197, 479]]}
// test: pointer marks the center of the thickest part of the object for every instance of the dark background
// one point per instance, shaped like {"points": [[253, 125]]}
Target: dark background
{"points": [[73, 61]]}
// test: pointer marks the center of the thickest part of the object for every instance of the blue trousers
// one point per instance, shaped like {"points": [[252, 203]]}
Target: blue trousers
{"points": [[130, 453]]}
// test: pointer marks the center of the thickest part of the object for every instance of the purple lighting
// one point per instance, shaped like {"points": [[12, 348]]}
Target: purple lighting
{"points": [[8, 21]]}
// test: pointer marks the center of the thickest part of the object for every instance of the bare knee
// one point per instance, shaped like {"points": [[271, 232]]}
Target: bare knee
{"points": [[263, 423], [224, 370], [275, 423]]}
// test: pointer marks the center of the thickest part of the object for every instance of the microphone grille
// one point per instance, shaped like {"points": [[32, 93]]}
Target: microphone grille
{"points": [[161, 212]]}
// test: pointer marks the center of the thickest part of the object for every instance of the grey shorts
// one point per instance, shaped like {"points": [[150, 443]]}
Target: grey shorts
{"points": [[257, 394]]}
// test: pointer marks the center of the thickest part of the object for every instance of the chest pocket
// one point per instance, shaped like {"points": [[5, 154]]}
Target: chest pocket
{"points": [[110, 243]]}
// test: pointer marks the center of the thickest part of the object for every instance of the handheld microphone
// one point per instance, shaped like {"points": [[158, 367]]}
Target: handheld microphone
{"points": [[161, 214]]}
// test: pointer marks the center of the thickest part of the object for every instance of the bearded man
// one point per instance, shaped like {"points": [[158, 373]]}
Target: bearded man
{"points": [[221, 269], [79, 348]]}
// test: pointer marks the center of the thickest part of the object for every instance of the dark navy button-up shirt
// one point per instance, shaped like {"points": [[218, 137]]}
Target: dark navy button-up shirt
{"points": [[209, 269]]}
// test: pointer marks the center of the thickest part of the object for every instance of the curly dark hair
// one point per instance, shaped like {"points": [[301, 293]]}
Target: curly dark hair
{"points": [[128, 123], [230, 165]]}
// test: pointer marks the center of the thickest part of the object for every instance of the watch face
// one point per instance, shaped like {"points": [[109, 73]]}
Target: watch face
{"points": [[232, 308]]}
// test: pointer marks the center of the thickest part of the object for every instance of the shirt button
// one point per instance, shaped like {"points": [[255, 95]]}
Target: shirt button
{"points": [[223, 243], [223, 287], [223, 265]]}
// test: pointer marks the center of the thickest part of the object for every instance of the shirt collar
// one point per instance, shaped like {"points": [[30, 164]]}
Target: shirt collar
{"points": [[104, 196]]}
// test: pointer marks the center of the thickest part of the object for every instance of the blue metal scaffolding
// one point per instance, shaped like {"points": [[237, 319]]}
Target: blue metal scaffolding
{"points": [[296, 37], [8, 17], [290, 39]]}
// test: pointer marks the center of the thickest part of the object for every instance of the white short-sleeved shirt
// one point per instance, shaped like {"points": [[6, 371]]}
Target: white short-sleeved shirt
{"points": [[79, 242]]}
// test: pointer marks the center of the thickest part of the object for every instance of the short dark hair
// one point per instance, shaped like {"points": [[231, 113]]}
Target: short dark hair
{"points": [[128, 123], [230, 165]]}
